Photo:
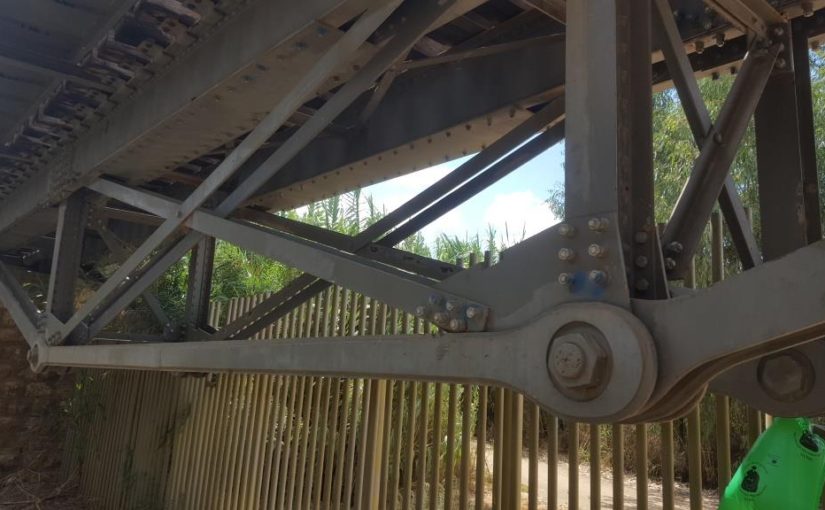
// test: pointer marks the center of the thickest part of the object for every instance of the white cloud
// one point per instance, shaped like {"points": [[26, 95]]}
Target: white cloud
{"points": [[518, 211]]}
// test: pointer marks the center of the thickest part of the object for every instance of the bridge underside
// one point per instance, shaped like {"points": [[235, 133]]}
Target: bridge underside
{"points": [[139, 132]]}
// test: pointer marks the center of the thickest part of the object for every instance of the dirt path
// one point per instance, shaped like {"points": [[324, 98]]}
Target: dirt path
{"points": [[681, 491]]}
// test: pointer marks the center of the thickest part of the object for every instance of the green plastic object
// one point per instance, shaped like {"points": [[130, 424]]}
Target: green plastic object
{"points": [[784, 470]]}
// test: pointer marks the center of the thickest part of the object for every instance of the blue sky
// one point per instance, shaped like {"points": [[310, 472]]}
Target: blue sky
{"points": [[517, 200]]}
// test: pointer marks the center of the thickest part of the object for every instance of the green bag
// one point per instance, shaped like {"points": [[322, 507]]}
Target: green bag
{"points": [[784, 470]]}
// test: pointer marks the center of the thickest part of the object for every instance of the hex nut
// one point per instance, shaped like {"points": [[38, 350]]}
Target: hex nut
{"points": [[787, 376], [578, 362]]}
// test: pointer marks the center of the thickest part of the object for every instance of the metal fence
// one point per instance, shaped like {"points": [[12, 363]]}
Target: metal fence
{"points": [[160, 440]]}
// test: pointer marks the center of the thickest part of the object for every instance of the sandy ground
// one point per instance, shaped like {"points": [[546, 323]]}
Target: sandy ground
{"points": [[681, 494]]}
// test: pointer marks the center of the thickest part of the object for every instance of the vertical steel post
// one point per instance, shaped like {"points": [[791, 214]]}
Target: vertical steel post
{"points": [[68, 249], [807, 135], [609, 134], [723, 466], [481, 447], [573, 459], [200, 284], [641, 466], [618, 465], [667, 465], [595, 468], [552, 461], [694, 428], [779, 164]]}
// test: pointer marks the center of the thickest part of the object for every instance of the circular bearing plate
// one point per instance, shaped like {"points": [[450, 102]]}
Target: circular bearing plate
{"points": [[632, 360]]}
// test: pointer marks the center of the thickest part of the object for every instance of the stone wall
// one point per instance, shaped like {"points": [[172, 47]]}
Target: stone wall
{"points": [[31, 423]]}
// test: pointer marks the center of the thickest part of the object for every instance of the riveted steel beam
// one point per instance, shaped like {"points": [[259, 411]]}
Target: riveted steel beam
{"points": [[689, 217]]}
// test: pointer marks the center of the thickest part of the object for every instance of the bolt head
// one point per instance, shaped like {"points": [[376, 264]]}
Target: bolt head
{"points": [[457, 325], [670, 264], [781, 63], [451, 305], [720, 39], [787, 376], [566, 279], [675, 247], [596, 250], [472, 312], [598, 224], [641, 261], [567, 230], [435, 299], [577, 360], [598, 277], [567, 254], [441, 318]]}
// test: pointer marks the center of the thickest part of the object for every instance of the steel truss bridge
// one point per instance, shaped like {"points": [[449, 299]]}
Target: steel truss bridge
{"points": [[137, 132]]}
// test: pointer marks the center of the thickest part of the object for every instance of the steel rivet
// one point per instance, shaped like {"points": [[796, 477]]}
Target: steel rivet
{"points": [[596, 250], [675, 247], [642, 284], [567, 230], [420, 311], [641, 261], [472, 312], [598, 277], [440, 318], [567, 254], [641, 237], [451, 305], [457, 325], [670, 264], [435, 299], [598, 224], [565, 279]]}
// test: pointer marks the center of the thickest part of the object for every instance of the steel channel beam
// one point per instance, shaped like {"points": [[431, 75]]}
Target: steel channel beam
{"points": [[68, 249], [390, 285], [400, 44], [689, 217], [416, 264], [701, 126]]}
